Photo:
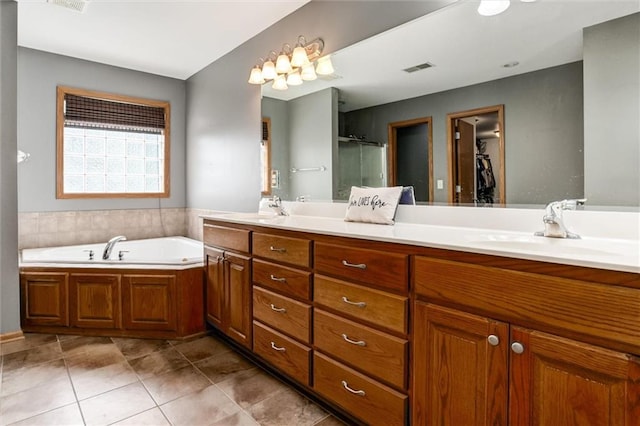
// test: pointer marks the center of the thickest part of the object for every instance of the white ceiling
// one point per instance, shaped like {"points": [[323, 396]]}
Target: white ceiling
{"points": [[465, 48], [173, 38]]}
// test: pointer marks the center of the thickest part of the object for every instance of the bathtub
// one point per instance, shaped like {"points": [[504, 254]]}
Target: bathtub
{"points": [[153, 253]]}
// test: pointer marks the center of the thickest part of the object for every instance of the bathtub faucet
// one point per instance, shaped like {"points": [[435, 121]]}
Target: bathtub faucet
{"points": [[110, 244]]}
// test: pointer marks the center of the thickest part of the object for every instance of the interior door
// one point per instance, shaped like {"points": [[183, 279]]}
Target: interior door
{"points": [[465, 162]]}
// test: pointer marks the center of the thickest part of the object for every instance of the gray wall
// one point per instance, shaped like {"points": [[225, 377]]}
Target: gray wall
{"points": [[611, 126], [38, 75], [9, 287], [278, 112], [223, 125], [543, 130]]}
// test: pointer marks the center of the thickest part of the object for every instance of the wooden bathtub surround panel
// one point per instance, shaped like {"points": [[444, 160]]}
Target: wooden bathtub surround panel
{"points": [[190, 303], [294, 251], [380, 308], [458, 379], [291, 357], [375, 268], [557, 381], [596, 313], [95, 300], [225, 237], [44, 298], [379, 354], [375, 403], [283, 313], [148, 302], [289, 281]]}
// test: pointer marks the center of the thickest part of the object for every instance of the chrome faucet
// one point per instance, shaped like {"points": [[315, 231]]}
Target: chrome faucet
{"points": [[553, 222], [110, 244], [276, 205]]}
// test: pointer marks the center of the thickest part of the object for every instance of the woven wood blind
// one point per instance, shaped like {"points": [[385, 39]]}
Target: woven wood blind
{"points": [[82, 111]]}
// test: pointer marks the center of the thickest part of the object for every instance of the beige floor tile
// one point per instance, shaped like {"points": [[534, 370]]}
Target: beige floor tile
{"points": [[153, 417], [158, 363], [221, 367], [241, 418], [174, 384], [287, 408], [92, 357], [116, 405], [30, 357], [250, 387], [202, 408], [35, 401], [94, 382], [76, 345], [31, 340], [69, 415], [330, 421], [136, 348], [202, 348], [31, 376]]}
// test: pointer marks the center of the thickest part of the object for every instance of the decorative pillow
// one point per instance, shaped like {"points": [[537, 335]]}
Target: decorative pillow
{"points": [[373, 205]]}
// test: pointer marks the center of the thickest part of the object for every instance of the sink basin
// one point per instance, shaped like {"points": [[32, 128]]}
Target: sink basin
{"points": [[554, 246]]}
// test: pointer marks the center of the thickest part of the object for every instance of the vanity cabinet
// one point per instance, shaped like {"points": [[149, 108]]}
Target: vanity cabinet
{"points": [[495, 346], [228, 281]]}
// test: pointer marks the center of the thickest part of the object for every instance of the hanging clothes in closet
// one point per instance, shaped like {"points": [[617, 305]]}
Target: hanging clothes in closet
{"points": [[486, 182]]}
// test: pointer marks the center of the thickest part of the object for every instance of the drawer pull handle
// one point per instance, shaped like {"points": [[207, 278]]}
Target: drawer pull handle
{"points": [[358, 304], [354, 342], [275, 308], [354, 265], [278, 249], [353, 391], [276, 348], [279, 279]]}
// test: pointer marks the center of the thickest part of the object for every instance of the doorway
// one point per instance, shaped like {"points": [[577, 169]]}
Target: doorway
{"points": [[410, 156], [475, 149]]}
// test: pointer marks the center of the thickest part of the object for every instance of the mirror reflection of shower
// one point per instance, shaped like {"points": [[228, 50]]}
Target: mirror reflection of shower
{"points": [[23, 156]]}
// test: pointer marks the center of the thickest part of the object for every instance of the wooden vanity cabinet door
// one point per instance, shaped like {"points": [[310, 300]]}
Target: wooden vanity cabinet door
{"points": [[214, 286], [44, 298], [558, 381], [459, 378], [149, 302], [95, 300], [237, 271]]}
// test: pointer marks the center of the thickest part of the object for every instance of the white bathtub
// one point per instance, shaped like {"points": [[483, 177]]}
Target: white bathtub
{"points": [[170, 252]]}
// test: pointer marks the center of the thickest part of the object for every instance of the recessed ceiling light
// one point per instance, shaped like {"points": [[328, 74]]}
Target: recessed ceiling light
{"points": [[511, 64]]}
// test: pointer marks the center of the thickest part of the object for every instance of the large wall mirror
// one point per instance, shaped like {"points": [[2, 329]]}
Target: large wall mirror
{"points": [[567, 75]]}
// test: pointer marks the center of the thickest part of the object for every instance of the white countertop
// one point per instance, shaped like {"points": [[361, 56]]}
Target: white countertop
{"points": [[619, 254]]}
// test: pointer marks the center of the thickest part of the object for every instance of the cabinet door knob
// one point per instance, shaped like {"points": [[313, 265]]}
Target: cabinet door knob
{"points": [[354, 265], [358, 304], [353, 391], [493, 340], [517, 347], [354, 342], [279, 279], [277, 348], [275, 308]]}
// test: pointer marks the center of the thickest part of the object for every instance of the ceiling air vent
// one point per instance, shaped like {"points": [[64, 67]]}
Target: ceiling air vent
{"points": [[77, 5], [418, 67]]}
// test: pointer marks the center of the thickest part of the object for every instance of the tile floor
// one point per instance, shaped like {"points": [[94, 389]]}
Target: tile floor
{"points": [[74, 380]]}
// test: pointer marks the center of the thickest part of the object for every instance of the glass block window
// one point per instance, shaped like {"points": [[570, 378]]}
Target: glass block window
{"points": [[111, 146]]}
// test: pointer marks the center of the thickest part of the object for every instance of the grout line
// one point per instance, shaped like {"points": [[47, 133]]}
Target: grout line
{"points": [[73, 387]]}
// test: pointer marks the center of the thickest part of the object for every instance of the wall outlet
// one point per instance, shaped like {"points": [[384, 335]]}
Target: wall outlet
{"points": [[440, 184]]}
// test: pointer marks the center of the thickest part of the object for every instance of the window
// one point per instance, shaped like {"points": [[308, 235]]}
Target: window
{"points": [[111, 146]]}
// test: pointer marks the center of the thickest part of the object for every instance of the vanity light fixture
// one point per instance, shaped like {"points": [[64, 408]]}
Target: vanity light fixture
{"points": [[292, 67], [493, 7]]}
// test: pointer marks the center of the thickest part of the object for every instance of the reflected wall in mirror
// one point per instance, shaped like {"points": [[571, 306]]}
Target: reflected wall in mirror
{"points": [[567, 104]]}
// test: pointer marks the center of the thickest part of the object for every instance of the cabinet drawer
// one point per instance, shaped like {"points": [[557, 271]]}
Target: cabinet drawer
{"points": [[282, 313], [296, 251], [230, 238], [286, 354], [566, 307], [378, 307], [361, 396], [289, 281], [384, 269], [374, 352]]}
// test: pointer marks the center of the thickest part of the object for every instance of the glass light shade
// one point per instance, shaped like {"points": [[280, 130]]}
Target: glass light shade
{"points": [[493, 7], [294, 78], [256, 76], [299, 57], [324, 67], [283, 65], [269, 70], [280, 83], [308, 72]]}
